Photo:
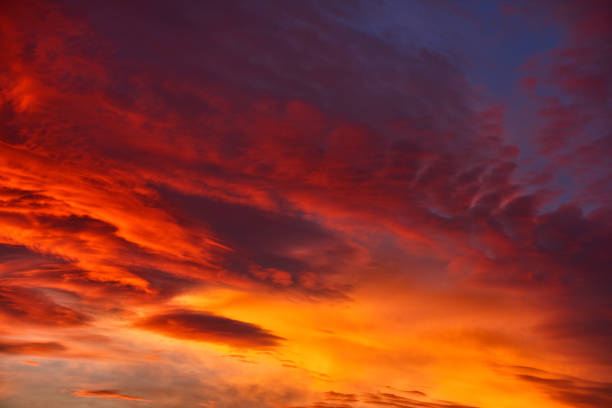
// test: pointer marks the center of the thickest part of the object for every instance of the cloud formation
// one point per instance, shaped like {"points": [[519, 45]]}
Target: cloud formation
{"points": [[202, 326]]}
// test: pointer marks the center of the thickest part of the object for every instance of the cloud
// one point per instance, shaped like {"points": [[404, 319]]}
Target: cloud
{"points": [[50, 347], [339, 396], [107, 394], [574, 109], [398, 401], [325, 405], [266, 245], [207, 327], [27, 306], [574, 391], [340, 400], [148, 152]]}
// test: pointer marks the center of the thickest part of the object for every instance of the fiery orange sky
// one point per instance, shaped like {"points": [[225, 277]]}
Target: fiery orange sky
{"points": [[318, 204]]}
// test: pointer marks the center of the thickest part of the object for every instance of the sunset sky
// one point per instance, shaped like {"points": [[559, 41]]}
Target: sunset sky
{"points": [[306, 204]]}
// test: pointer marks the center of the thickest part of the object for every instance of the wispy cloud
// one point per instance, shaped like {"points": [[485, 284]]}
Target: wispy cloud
{"points": [[107, 394]]}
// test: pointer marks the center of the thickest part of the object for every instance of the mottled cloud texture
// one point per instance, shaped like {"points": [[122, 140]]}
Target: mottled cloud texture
{"points": [[328, 204]]}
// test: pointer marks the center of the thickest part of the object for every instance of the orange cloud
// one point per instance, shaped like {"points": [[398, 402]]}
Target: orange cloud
{"points": [[570, 390], [107, 394], [49, 347]]}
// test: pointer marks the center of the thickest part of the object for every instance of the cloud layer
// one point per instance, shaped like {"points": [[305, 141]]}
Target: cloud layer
{"points": [[327, 193]]}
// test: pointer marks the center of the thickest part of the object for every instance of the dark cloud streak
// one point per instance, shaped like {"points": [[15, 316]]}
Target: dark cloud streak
{"points": [[201, 326]]}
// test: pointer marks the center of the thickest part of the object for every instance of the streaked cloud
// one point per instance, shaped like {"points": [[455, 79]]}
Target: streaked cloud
{"points": [[202, 326], [107, 394]]}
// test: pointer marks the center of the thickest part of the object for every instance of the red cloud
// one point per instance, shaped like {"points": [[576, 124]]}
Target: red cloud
{"points": [[274, 154], [30, 307]]}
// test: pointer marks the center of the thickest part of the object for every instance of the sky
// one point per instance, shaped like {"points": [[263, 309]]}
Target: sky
{"points": [[305, 204]]}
